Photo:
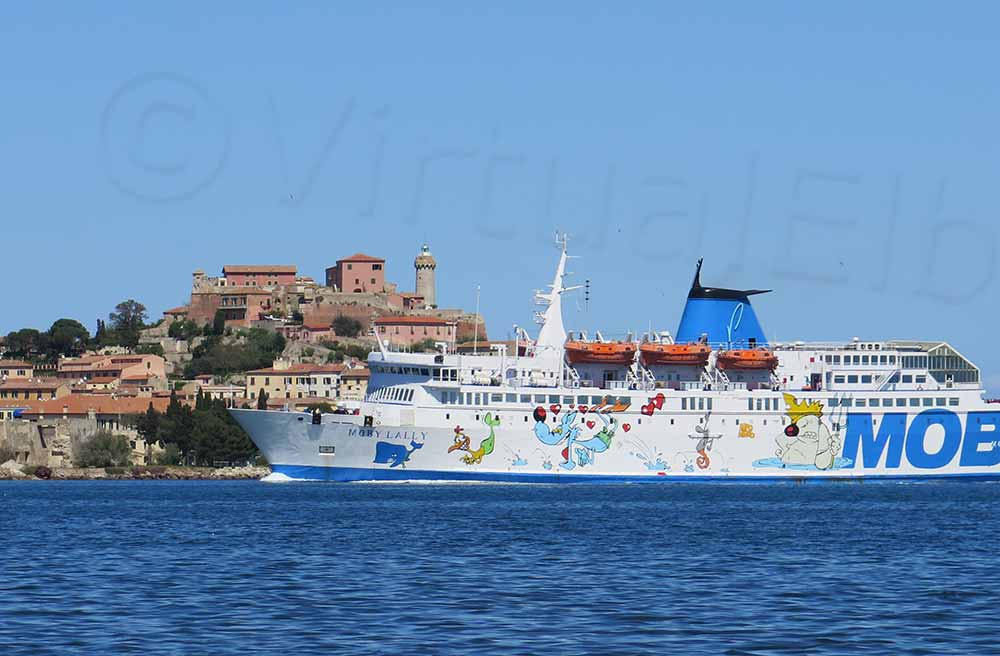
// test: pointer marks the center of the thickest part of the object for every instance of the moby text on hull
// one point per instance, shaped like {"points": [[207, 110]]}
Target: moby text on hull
{"points": [[717, 401]]}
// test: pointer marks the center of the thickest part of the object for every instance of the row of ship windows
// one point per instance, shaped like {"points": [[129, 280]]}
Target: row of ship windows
{"points": [[766, 405], [927, 402], [906, 361], [406, 371], [486, 398], [869, 379], [401, 394]]}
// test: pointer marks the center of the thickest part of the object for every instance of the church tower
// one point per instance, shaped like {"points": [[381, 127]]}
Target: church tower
{"points": [[425, 264]]}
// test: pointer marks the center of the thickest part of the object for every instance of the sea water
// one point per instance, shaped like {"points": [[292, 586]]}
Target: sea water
{"points": [[246, 567]]}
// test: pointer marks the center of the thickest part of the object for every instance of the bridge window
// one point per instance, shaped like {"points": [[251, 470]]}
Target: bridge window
{"points": [[914, 403], [853, 380], [953, 402], [862, 403]]}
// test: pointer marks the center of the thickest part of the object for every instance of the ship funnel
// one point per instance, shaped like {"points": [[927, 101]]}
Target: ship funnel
{"points": [[725, 315]]}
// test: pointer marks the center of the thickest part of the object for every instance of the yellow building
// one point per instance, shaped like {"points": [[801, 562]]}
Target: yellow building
{"points": [[354, 384], [33, 389], [296, 381]]}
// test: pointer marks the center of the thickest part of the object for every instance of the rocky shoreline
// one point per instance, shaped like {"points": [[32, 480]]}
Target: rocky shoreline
{"points": [[10, 471]]}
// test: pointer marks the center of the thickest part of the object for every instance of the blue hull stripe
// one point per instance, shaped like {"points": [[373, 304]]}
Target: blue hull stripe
{"points": [[303, 472]]}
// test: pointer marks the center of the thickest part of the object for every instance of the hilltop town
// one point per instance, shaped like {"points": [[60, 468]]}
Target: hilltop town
{"points": [[254, 336]]}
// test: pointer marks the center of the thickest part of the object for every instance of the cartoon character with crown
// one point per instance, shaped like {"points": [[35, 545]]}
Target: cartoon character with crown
{"points": [[807, 440]]}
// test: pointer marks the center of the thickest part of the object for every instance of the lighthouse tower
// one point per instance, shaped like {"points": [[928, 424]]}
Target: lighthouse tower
{"points": [[425, 264]]}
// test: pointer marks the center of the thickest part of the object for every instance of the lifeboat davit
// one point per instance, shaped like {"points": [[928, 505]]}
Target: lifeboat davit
{"points": [[678, 354], [622, 353], [758, 359]]}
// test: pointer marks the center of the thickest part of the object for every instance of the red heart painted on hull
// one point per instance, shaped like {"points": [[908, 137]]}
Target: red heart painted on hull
{"points": [[590, 424], [648, 410], [626, 427], [555, 408], [583, 409], [565, 454], [659, 401]]}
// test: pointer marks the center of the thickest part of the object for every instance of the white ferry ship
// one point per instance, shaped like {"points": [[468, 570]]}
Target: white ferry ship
{"points": [[717, 401]]}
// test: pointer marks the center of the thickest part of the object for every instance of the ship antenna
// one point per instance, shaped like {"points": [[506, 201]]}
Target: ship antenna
{"points": [[475, 338]]}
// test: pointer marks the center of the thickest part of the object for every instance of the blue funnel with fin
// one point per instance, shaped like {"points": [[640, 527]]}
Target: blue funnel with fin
{"points": [[724, 315]]}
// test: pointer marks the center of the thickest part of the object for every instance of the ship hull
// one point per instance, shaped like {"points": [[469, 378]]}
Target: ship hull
{"points": [[342, 448]]}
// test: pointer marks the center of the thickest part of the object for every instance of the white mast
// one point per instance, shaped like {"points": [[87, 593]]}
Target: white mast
{"points": [[475, 339], [552, 336]]}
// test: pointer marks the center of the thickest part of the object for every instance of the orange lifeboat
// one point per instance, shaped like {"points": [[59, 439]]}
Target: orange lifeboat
{"points": [[758, 359], [622, 353], [681, 354]]}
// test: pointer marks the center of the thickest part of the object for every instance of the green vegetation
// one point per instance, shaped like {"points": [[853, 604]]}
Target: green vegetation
{"points": [[346, 326], [66, 337], [322, 407], [201, 435], [171, 455], [127, 320], [219, 322], [104, 450], [185, 329], [149, 349], [342, 351], [424, 346], [216, 357]]}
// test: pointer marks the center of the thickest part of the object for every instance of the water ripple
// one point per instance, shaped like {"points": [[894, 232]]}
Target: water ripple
{"points": [[158, 567]]}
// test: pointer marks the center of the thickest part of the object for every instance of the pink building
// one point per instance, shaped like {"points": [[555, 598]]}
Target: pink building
{"points": [[357, 274], [258, 275], [406, 331]]}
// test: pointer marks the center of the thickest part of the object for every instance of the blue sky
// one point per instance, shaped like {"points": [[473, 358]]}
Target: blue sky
{"points": [[845, 155]]}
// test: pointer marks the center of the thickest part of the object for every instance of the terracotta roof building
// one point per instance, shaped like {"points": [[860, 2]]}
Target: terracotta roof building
{"points": [[357, 274], [34, 389], [259, 275], [16, 369], [409, 330], [298, 381], [354, 384]]}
